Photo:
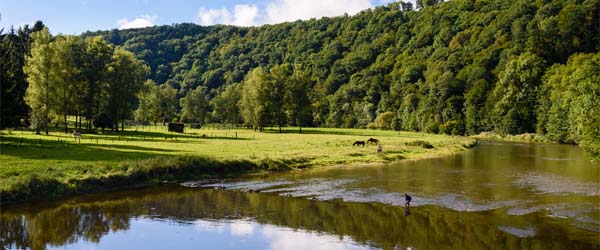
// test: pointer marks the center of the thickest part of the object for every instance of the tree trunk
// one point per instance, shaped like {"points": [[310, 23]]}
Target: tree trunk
{"points": [[47, 102], [65, 110]]}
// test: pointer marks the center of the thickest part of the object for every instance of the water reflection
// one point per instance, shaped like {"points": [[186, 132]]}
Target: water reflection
{"points": [[185, 218], [545, 178]]}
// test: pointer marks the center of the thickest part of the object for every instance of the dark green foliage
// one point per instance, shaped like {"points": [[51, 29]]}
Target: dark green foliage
{"points": [[14, 47], [102, 121]]}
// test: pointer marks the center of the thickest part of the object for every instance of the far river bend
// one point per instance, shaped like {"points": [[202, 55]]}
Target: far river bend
{"points": [[497, 195]]}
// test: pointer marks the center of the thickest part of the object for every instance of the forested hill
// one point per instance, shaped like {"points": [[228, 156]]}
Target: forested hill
{"points": [[446, 65]]}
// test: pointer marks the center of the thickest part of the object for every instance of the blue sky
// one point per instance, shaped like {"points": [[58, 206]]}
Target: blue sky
{"points": [[76, 16]]}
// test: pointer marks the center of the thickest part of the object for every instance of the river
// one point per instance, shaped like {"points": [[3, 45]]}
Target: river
{"points": [[497, 195]]}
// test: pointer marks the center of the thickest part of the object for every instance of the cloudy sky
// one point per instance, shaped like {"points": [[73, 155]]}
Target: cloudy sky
{"points": [[76, 16]]}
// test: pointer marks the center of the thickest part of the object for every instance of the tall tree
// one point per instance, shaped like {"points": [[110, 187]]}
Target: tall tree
{"points": [[97, 56], [297, 100], [66, 73], [516, 95], [194, 106], [126, 78], [38, 67], [278, 76], [255, 94], [14, 48], [225, 105]]}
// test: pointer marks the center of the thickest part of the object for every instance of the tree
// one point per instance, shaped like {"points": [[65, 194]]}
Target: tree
{"points": [[297, 101], [38, 67], [125, 79], [276, 83], [384, 120], [225, 105], [194, 106], [66, 73], [516, 95], [14, 48], [97, 56], [572, 102], [253, 104], [146, 100]]}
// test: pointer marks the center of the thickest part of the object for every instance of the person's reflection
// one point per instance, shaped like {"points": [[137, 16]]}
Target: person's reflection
{"points": [[406, 211]]}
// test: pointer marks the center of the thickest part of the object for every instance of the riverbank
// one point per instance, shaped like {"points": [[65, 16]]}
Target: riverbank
{"points": [[526, 138], [38, 167]]}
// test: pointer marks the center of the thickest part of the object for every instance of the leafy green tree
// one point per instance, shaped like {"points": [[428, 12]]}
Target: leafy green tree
{"points": [[254, 102], [194, 106], [277, 79], [66, 74], [38, 67], [516, 95], [97, 57], [125, 79], [384, 120], [572, 104], [225, 105], [297, 101], [14, 48]]}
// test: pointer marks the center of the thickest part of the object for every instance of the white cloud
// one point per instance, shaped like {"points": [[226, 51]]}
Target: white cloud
{"points": [[209, 226], [242, 228], [291, 10], [285, 239], [278, 11], [139, 22], [243, 15]]}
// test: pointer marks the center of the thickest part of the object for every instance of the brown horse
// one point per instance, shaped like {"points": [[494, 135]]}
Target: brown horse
{"points": [[373, 140], [358, 143]]}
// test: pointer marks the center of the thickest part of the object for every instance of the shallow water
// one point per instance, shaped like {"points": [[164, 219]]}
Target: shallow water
{"points": [[495, 196]]}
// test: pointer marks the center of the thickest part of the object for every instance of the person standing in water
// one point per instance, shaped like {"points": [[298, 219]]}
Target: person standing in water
{"points": [[407, 198]]}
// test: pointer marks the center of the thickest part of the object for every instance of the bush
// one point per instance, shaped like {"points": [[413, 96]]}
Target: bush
{"points": [[420, 143], [453, 127], [384, 120]]}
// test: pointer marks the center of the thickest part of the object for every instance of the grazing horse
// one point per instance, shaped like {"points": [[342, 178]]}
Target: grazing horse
{"points": [[373, 140], [358, 143]]}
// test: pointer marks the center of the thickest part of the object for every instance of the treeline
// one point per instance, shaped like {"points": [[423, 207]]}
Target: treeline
{"points": [[85, 78]]}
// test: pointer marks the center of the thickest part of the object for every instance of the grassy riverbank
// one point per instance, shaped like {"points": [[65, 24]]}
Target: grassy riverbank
{"points": [[47, 166], [527, 138]]}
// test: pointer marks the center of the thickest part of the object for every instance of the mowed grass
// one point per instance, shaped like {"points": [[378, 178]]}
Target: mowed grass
{"points": [[61, 155]]}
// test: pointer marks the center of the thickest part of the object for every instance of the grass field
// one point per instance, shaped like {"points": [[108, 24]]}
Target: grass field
{"points": [[63, 158]]}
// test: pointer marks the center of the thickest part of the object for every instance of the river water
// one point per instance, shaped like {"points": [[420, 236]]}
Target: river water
{"points": [[495, 196]]}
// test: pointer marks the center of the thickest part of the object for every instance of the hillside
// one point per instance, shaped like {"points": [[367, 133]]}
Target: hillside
{"points": [[429, 67]]}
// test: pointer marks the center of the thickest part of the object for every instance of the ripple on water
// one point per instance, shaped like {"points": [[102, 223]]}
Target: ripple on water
{"points": [[461, 203], [550, 183], [578, 214], [522, 233]]}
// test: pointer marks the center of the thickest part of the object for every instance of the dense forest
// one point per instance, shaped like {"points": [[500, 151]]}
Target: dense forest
{"points": [[456, 67]]}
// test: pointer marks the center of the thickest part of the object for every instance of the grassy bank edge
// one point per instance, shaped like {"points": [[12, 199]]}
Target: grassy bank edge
{"points": [[524, 138], [148, 172]]}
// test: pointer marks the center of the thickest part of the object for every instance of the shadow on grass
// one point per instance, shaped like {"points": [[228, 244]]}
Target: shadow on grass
{"points": [[321, 131], [35, 149], [342, 131], [166, 136]]}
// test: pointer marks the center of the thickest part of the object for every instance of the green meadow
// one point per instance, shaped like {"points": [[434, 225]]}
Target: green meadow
{"points": [[59, 158]]}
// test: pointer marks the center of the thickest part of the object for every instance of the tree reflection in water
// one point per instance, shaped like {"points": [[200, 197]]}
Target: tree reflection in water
{"points": [[91, 217]]}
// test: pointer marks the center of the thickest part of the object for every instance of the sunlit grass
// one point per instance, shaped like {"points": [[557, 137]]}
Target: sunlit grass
{"points": [[24, 152]]}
